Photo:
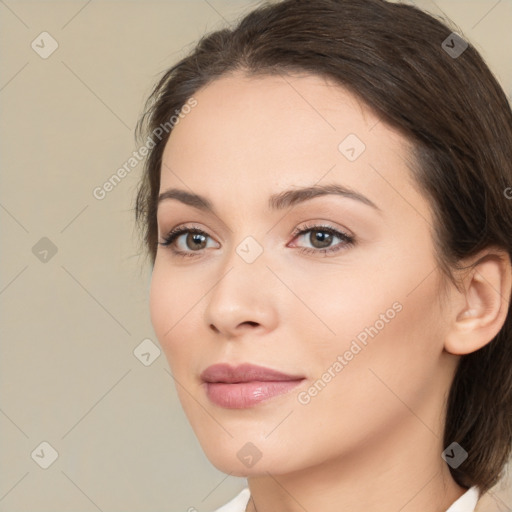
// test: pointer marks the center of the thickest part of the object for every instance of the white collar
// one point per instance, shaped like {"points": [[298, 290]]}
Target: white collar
{"points": [[466, 503]]}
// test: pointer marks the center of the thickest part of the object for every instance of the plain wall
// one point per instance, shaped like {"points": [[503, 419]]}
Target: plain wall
{"points": [[72, 320]]}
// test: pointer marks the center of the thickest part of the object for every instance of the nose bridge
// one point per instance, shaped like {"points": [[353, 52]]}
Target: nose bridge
{"points": [[241, 294], [243, 269]]}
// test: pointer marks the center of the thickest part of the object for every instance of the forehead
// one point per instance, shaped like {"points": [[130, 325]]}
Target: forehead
{"points": [[270, 118], [258, 135]]}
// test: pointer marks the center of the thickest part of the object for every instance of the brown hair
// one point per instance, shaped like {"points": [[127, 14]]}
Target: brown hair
{"points": [[396, 59]]}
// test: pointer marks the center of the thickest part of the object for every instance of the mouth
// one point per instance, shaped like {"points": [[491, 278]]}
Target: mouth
{"points": [[245, 385]]}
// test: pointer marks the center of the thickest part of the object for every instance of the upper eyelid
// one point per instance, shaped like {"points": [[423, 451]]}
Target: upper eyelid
{"points": [[323, 198], [180, 230], [310, 225]]}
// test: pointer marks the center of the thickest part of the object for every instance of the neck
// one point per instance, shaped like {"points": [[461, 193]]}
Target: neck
{"points": [[402, 471]]}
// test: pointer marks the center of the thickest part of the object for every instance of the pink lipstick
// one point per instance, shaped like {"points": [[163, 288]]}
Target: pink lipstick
{"points": [[245, 385]]}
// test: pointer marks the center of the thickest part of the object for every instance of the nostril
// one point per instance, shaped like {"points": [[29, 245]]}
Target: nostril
{"points": [[248, 323]]}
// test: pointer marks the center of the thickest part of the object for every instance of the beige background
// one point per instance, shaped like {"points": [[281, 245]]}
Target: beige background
{"points": [[70, 324]]}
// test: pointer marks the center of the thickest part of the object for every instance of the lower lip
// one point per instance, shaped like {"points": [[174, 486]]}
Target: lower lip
{"points": [[241, 395]]}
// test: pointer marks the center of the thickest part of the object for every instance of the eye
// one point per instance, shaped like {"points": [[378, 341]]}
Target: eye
{"points": [[195, 240], [321, 239]]}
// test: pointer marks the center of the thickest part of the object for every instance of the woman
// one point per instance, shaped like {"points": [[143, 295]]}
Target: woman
{"points": [[325, 207]]}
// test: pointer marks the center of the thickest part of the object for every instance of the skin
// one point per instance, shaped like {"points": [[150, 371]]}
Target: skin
{"points": [[371, 440]]}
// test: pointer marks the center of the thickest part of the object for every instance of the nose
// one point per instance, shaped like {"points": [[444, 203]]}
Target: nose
{"points": [[244, 299]]}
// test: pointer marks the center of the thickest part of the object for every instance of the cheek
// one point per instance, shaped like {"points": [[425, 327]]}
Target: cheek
{"points": [[174, 301], [401, 354], [397, 364], [166, 307], [387, 324]]}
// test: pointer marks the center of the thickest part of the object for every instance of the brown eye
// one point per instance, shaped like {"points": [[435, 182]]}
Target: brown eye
{"points": [[321, 239], [193, 240], [186, 241]]}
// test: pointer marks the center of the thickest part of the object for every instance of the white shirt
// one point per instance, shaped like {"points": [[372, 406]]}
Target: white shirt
{"points": [[466, 503]]}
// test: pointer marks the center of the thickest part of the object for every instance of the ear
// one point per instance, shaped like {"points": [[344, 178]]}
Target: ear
{"points": [[480, 308]]}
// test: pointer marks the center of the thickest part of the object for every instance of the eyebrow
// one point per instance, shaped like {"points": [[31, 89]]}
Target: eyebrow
{"points": [[277, 201]]}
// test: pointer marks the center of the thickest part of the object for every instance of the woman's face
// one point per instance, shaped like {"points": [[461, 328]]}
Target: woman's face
{"points": [[359, 319]]}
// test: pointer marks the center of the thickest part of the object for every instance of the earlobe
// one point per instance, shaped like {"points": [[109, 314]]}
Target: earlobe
{"points": [[481, 308]]}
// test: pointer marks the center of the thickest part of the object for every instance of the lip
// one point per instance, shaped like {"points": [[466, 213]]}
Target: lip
{"points": [[245, 385], [246, 372]]}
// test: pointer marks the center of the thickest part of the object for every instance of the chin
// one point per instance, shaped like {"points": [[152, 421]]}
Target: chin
{"points": [[247, 460]]}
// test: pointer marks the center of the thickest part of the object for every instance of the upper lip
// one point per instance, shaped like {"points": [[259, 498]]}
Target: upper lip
{"points": [[244, 373]]}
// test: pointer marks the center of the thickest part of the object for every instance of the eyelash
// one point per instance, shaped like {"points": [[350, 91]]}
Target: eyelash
{"points": [[347, 240]]}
